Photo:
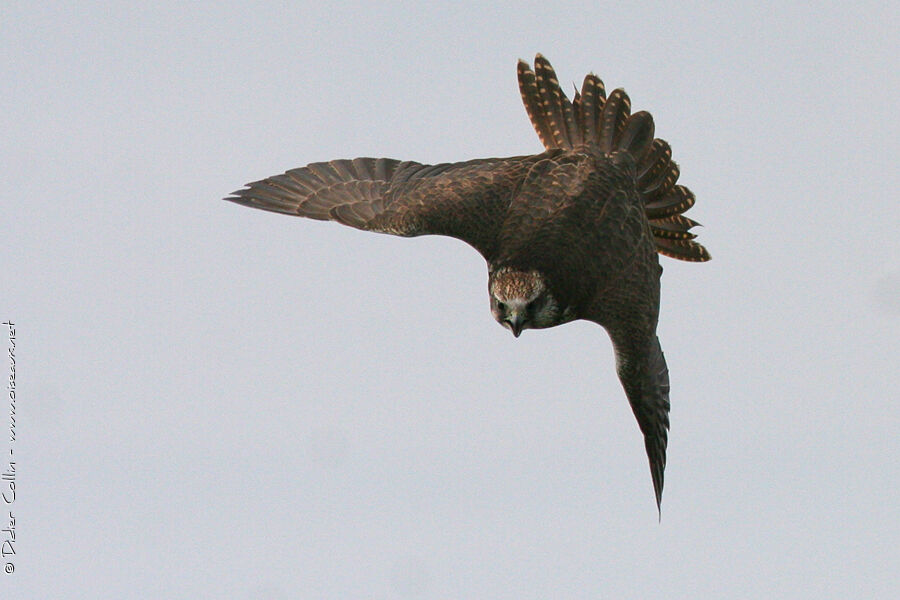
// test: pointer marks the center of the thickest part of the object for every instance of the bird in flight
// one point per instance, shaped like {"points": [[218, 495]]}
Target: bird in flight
{"points": [[570, 233]]}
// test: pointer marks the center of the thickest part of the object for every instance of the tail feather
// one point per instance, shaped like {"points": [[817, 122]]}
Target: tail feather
{"points": [[612, 120], [557, 107], [593, 122], [637, 136], [688, 250], [675, 227], [662, 184], [593, 97], [656, 161], [674, 203], [531, 97]]}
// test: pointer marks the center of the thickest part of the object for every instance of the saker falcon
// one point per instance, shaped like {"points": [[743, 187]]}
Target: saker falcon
{"points": [[570, 233]]}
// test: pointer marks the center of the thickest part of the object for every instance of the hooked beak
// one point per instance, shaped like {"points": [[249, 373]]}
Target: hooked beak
{"points": [[516, 322]]}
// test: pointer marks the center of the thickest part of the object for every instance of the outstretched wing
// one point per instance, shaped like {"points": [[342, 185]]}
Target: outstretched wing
{"points": [[645, 377], [463, 200]]}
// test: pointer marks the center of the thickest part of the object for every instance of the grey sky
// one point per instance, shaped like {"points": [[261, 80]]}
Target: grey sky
{"points": [[218, 402]]}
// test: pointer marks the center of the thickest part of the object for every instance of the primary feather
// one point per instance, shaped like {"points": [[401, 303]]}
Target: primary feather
{"points": [[571, 233]]}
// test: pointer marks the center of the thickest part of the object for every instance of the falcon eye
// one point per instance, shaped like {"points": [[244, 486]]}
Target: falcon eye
{"points": [[501, 306]]}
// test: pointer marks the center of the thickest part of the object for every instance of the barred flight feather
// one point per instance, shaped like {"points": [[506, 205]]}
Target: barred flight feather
{"points": [[595, 123]]}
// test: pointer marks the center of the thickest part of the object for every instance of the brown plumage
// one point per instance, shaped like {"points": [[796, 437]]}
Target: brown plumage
{"points": [[571, 233]]}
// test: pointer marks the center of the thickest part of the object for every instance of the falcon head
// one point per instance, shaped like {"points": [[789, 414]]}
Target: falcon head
{"points": [[521, 300]]}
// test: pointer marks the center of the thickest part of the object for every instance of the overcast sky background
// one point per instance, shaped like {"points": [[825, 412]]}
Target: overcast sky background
{"points": [[217, 402]]}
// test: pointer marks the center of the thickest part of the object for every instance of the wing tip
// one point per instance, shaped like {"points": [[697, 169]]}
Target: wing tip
{"points": [[237, 195], [241, 197], [656, 455]]}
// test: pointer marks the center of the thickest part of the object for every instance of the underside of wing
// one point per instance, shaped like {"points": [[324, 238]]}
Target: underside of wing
{"points": [[594, 122], [463, 200]]}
